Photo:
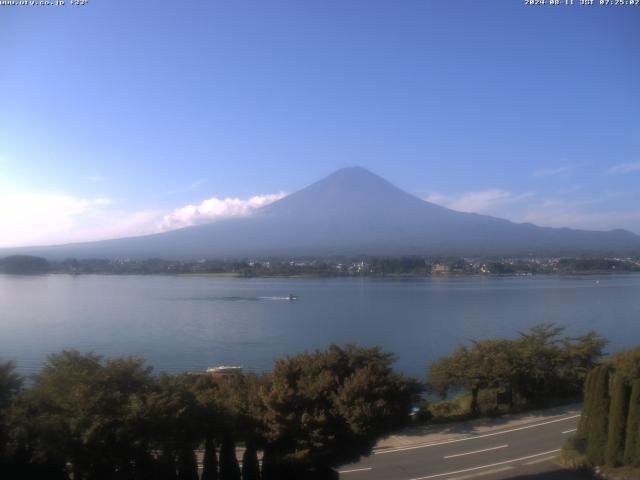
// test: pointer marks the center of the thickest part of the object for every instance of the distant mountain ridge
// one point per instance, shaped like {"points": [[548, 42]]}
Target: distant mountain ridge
{"points": [[352, 212]]}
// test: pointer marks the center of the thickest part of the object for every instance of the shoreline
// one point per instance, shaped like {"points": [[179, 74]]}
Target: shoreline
{"points": [[303, 276]]}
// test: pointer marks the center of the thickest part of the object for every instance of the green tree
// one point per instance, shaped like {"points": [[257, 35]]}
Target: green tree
{"points": [[144, 466], [269, 469], [539, 362], [486, 364], [627, 364], [78, 411], [491, 365], [166, 468], [631, 454], [587, 407], [187, 464], [229, 468], [617, 421], [209, 403], [171, 415], [326, 408], [240, 401], [250, 465], [210, 460], [442, 376], [537, 366], [579, 355], [10, 385], [598, 416]]}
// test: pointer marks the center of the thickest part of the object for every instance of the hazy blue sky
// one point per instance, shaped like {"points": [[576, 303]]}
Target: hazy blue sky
{"points": [[123, 117]]}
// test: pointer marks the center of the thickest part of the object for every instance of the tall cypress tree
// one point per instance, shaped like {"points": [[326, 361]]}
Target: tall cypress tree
{"points": [[250, 465], [632, 442], [636, 461], [598, 420], [229, 468], [268, 469], [274, 468], [585, 418], [210, 462], [144, 466], [166, 467], [187, 465], [617, 421]]}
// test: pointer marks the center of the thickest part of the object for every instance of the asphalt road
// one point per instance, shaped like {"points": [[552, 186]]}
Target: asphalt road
{"points": [[509, 453]]}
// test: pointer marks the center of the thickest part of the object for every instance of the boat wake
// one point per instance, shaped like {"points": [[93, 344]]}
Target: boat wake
{"points": [[288, 298]]}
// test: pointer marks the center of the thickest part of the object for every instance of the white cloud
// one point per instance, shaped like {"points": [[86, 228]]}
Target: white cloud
{"points": [[602, 212], [214, 209], [559, 214], [483, 201], [39, 218], [32, 218], [623, 168], [594, 213]]}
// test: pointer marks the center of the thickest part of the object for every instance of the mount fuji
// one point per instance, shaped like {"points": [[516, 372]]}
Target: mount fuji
{"points": [[352, 212]]}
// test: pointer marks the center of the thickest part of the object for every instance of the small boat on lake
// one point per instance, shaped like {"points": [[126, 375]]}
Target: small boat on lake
{"points": [[292, 297]]}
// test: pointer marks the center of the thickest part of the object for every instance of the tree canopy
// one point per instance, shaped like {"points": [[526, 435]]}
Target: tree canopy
{"points": [[538, 365], [96, 418], [327, 408]]}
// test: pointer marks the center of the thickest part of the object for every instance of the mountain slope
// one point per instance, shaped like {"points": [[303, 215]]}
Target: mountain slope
{"points": [[351, 212]]}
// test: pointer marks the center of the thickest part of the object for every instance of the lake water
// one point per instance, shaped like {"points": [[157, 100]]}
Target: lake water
{"points": [[181, 323]]}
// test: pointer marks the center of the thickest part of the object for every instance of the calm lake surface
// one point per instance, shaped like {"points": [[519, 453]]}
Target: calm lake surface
{"points": [[181, 323]]}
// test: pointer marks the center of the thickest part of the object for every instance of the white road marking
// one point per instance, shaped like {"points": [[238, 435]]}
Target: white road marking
{"points": [[473, 437], [476, 451], [487, 466], [480, 474], [540, 460], [356, 470], [571, 430]]}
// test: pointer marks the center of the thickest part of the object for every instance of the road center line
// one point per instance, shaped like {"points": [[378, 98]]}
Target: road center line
{"points": [[540, 460], [474, 437], [476, 451], [571, 430], [480, 474], [354, 470], [487, 466]]}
